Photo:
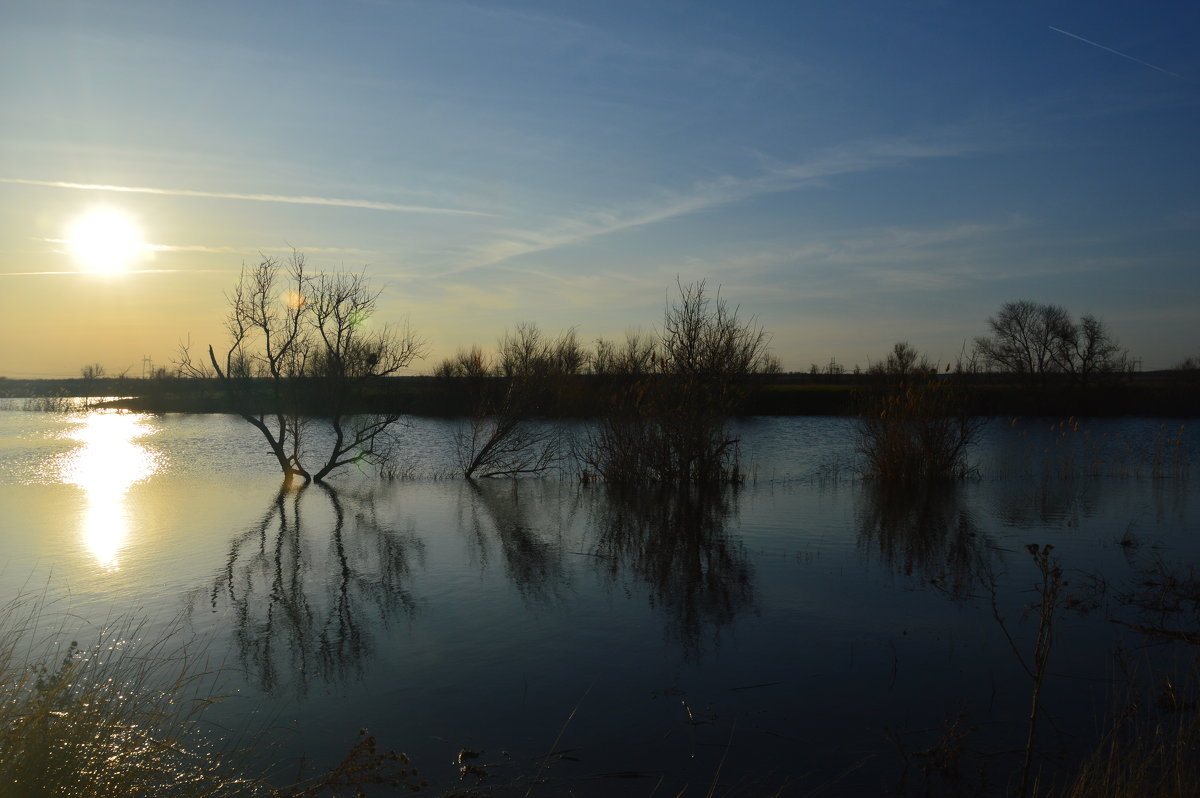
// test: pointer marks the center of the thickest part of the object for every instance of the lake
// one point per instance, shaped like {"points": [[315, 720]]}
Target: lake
{"points": [[804, 633]]}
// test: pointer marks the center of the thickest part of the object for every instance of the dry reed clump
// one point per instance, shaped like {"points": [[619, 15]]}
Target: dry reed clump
{"points": [[1169, 455], [1150, 750], [1077, 451], [1156, 761], [917, 431]]}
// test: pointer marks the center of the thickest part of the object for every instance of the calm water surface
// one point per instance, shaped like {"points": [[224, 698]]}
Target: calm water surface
{"points": [[803, 631]]}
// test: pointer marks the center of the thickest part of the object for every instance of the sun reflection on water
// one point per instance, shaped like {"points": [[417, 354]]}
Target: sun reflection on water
{"points": [[106, 464]]}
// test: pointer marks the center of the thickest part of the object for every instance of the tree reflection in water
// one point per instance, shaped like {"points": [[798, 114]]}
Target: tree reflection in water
{"points": [[298, 588], [533, 559], [674, 540], [928, 533]]}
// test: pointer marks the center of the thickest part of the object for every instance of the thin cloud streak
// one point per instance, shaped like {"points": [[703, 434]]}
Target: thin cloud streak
{"points": [[727, 190], [333, 202], [210, 250], [114, 274], [1116, 52]]}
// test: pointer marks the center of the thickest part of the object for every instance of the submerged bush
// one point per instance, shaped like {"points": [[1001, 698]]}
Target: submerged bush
{"points": [[917, 431], [670, 425]]}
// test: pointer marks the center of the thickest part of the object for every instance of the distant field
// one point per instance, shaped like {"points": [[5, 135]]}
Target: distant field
{"points": [[1174, 394]]}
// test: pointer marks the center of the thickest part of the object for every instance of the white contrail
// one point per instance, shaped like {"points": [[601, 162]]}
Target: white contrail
{"points": [[1116, 52], [115, 274], [294, 200]]}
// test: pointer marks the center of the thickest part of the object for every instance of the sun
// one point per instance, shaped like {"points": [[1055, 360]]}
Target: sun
{"points": [[105, 241]]}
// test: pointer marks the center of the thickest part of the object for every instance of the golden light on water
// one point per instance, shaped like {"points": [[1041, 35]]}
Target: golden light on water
{"points": [[106, 464], [105, 241]]}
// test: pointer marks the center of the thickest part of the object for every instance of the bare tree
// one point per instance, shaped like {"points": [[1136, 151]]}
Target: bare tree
{"points": [[299, 353], [902, 362], [1088, 350], [505, 445], [1032, 341], [469, 363], [634, 357], [503, 438], [346, 359], [92, 371], [1025, 337]]}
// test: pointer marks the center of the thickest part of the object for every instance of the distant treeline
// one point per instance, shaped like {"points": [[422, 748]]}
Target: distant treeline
{"points": [[1155, 393]]}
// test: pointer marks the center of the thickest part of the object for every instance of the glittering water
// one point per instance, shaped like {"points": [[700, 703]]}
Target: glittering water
{"points": [[803, 629]]}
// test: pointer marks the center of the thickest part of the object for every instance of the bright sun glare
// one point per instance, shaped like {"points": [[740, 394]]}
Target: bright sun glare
{"points": [[105, 241]]}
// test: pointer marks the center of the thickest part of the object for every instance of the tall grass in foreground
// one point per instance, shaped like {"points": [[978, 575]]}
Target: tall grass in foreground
{"points": [[1154, 761], [122, 714], [116, 715]]}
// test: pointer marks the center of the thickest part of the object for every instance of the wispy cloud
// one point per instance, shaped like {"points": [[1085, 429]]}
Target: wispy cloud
{"points": [[206, 249], [705, 195], [1116, 52], [122, 273], [334, 202], [210, 250]]}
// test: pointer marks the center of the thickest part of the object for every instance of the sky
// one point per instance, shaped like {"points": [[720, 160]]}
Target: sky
{"points": [[847, 174]]}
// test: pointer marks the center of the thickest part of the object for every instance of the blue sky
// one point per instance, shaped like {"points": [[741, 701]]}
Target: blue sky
{"points": [[852, 174]]}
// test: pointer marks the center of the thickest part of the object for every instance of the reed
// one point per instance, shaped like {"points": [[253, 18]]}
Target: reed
{"points": [[1076, 450], [1155, 760], [118, 715], [124, 715]]}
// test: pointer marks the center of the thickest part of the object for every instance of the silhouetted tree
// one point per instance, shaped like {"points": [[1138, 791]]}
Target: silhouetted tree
{"points": [[299, 352], [1033, 340], [1088, 350], [465, 363], [1025, 337], [634, 357], [902, 362], [92, 371], [504, 437]]}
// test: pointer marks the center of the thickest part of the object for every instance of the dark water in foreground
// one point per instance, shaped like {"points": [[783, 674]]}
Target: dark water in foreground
{"points": [[803, 631]]}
